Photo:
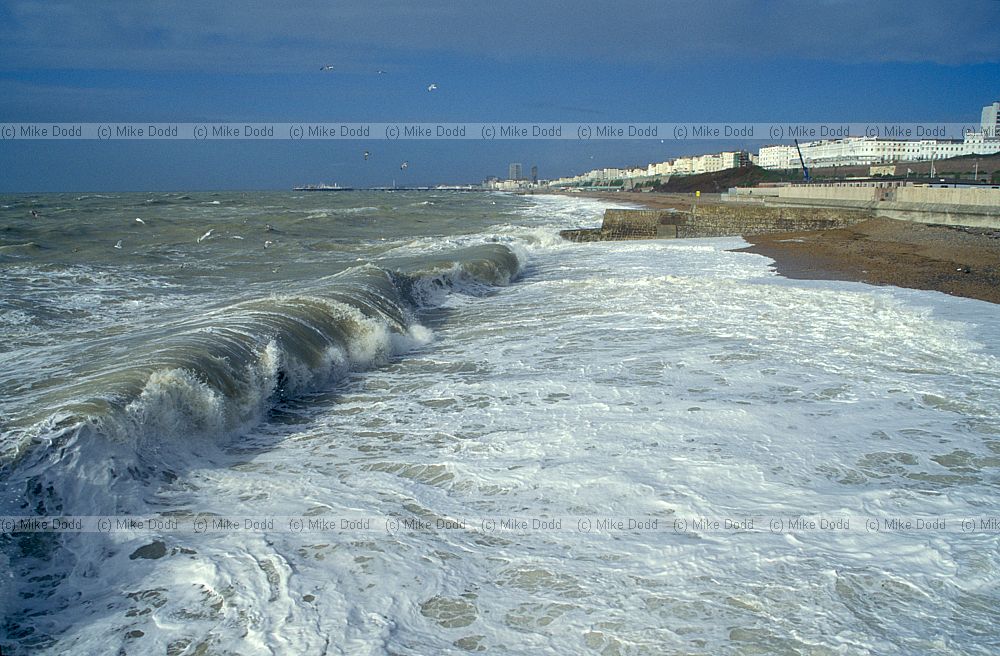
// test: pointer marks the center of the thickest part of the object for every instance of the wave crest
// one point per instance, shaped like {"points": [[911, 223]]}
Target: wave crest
{"points": [[221, 373]]}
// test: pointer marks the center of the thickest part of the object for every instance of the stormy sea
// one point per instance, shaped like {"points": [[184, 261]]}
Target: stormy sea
{"points": [[422, 423]]}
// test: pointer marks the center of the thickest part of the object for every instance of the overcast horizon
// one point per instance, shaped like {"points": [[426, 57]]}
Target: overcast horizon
{"points": [[831, 60]]}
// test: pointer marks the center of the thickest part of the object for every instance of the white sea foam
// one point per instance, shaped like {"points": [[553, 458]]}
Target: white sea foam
{"points": [[355, 210], [653, 380]]}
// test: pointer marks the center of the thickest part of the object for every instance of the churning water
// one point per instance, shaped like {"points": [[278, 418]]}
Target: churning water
{"points": [[415, 423]]}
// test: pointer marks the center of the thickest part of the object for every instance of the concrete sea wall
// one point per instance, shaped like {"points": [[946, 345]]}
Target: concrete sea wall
{"points": [[957, 196], [969, 206]]}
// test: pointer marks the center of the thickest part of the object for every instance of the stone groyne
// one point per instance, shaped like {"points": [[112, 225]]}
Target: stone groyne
{"points": [[711, 220], [620, 225]]}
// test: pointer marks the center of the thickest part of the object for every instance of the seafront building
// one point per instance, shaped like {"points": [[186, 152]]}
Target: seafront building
{"points": [[991, 121], [679, 166], [848, 151], [868, 151]]}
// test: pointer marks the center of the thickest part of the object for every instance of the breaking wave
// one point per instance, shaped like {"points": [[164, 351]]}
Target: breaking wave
{"points": [[216, 375]]}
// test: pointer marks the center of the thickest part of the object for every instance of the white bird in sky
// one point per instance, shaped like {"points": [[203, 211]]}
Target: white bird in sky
{"points": [[206, 235], [380, 72], [328, 67], [432, 87], [404, 166]]}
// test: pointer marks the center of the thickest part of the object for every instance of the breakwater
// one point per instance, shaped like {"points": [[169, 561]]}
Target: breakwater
{"points": [[712, 220]]}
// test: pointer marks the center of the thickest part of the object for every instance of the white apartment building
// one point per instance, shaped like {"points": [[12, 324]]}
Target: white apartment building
{"points": [[867, 151], [718, 162], [991, 121], [680, 166], [777, 157]]}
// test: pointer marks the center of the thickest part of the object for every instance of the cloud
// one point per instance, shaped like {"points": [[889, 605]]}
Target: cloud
{"points": [[26, 101], [268, 36]]}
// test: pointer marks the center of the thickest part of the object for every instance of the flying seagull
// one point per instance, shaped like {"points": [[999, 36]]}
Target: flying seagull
{"points": [[35, 214], [118, 244], [432, 87], [138, 220], [206, 235], [380, 72], [328, 67], [367, 155], [404, 166]]}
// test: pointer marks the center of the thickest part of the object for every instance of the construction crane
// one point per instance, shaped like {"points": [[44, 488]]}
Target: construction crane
{"points": [[805, 169]]}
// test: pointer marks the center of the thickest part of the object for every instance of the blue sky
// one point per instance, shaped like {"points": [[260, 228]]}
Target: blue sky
{"points": [[518, 61]]}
